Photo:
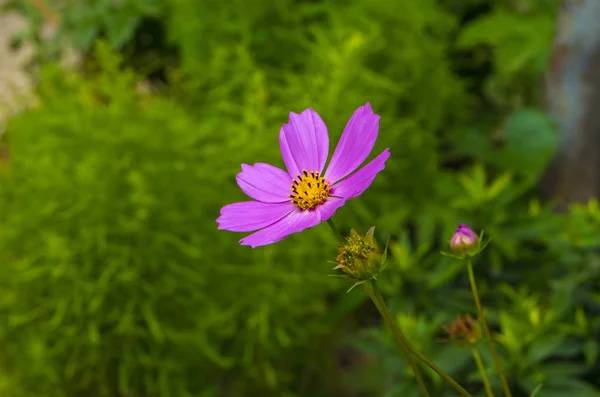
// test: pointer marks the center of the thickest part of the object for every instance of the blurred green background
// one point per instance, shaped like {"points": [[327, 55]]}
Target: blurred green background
{"points": [[114, 280]]}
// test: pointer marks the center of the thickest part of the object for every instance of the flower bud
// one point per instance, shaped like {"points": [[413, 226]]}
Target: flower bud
{"points": [[463, 331], [464, 241], [360, 257]]}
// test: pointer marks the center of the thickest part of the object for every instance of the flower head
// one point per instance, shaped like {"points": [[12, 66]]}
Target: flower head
{"points": [[360, 257], [463, 331], [286, 202], [464, 240]]}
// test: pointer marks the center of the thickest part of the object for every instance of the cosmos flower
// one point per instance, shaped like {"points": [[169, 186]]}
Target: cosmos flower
{"points": [[304, 196]]}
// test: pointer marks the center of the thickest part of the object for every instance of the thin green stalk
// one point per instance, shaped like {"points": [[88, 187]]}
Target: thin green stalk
{"points": [[375, 294], [484, 377], [383, 311], [486, 331]]}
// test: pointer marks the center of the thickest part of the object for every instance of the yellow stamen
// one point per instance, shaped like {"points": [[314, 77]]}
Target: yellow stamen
{"points": [[309, 190]]}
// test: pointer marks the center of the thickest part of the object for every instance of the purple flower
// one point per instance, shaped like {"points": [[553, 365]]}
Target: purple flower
{"points": [[289, 202], [463, 240]]}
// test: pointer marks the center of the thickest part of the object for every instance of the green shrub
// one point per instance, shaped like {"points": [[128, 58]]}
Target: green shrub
{"points": [[82, 22], [116, 281]]}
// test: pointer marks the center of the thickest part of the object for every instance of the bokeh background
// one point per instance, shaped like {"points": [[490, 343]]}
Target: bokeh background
{"points": [[123, 124]]}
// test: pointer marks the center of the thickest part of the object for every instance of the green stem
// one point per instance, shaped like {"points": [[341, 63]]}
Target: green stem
{"points": [[383, 310], [335, 231], [486, 331], [484, 377], [377, 298]]}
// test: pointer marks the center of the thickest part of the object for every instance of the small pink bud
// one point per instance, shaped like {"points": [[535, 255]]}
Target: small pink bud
{"points": [[464, 240]]}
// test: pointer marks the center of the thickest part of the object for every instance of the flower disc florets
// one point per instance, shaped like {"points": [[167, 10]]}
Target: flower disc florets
{"points": [[309, 190], [360, 257]]}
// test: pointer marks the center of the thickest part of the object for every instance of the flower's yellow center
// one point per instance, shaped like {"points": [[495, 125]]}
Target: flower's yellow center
{"points": [[309, 190]]}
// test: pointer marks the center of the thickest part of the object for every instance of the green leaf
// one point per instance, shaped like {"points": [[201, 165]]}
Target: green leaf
{"points": [[83, 36], [453, 358], [490, 29], [562, 369], [543, 348], [152, 323], [120, 28], [591, 351], [356, 284], [501, 183], [343, 305], [568, 387], [531, 143], [519, 42], [536, 390]]}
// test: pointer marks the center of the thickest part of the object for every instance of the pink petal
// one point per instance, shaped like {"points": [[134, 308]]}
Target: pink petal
{"points": [[329, 207], [294, 222], [356, 143], [304, 142], [357, 183], [264, 182], [248, 216]]}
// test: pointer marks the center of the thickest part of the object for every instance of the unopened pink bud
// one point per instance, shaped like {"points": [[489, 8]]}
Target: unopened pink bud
{"points": [[463, 240]]}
